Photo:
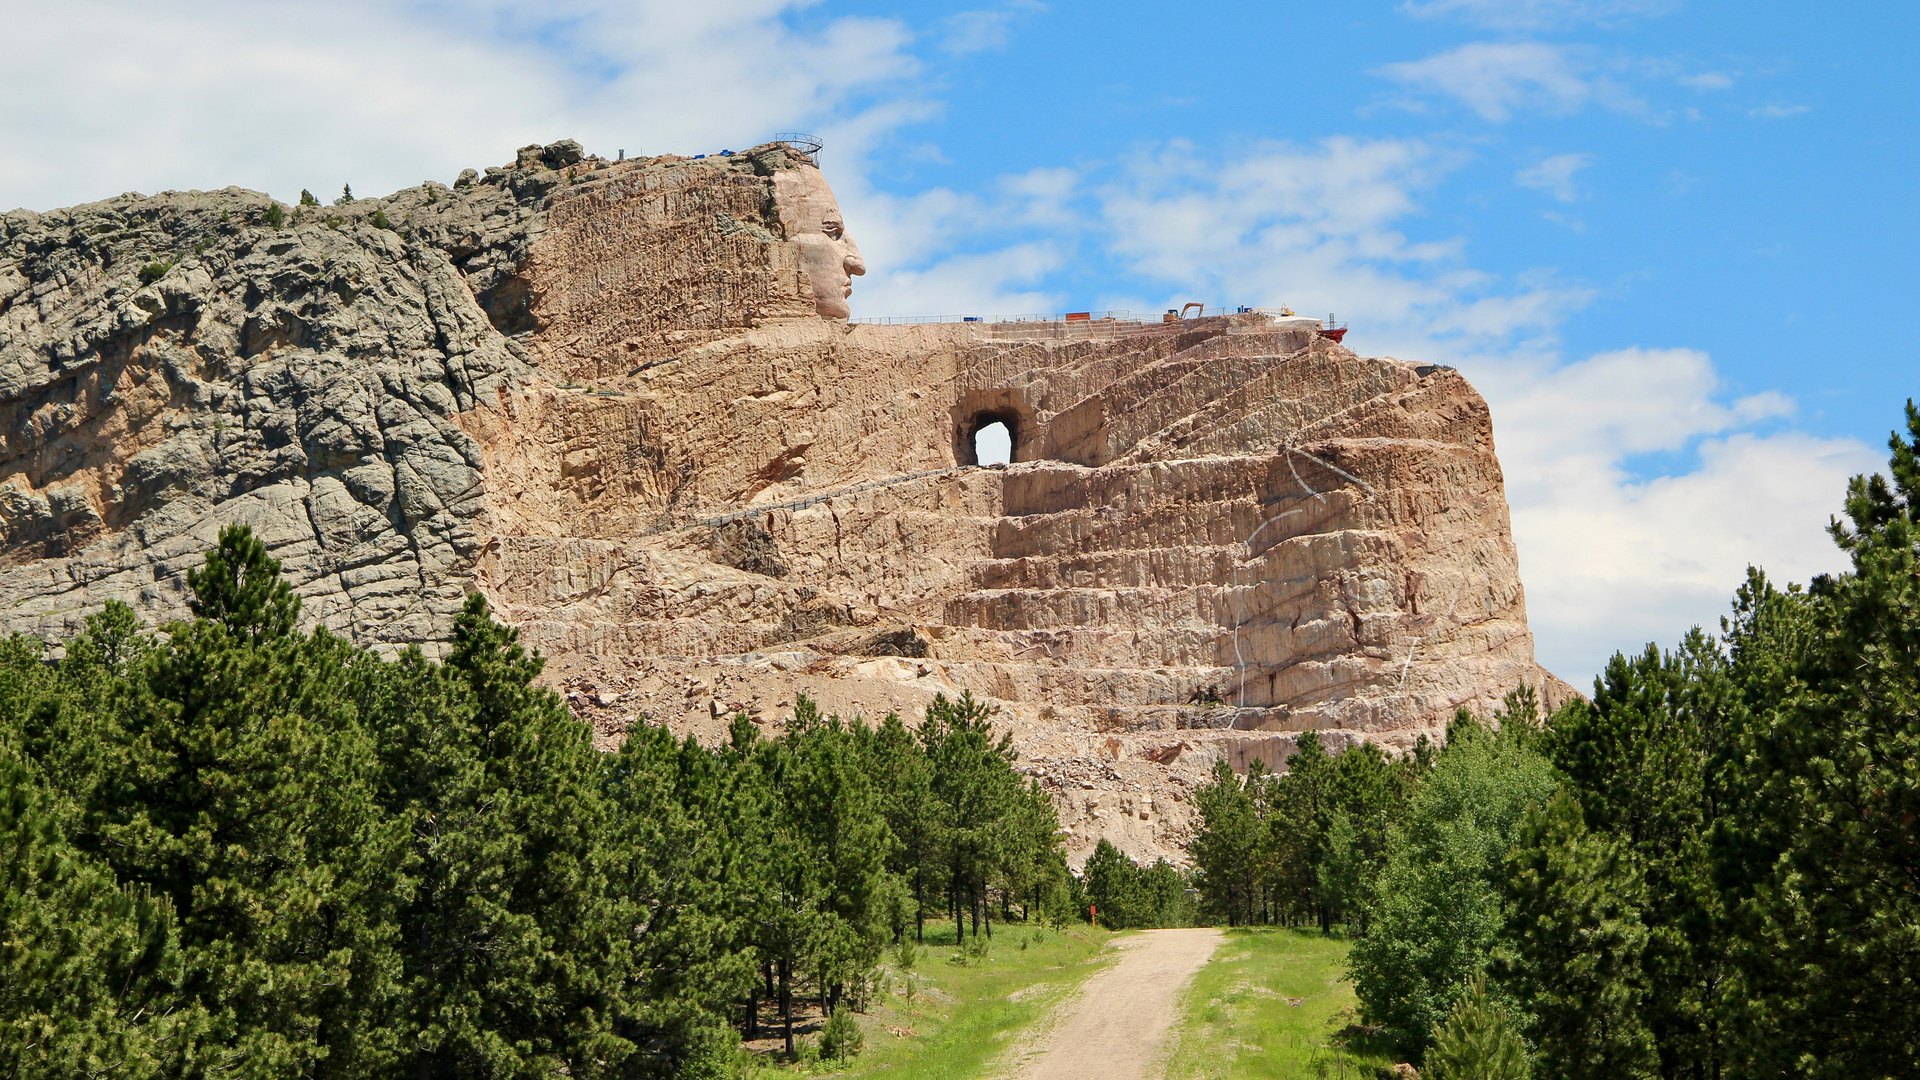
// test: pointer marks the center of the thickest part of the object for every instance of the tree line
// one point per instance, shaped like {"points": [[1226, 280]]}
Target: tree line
{"points": [[229, 848], [1296, 847], [1115, 892], [1710, 868]]}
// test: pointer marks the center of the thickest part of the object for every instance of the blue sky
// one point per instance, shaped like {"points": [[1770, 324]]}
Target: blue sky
{"points": [[1673, 243]]}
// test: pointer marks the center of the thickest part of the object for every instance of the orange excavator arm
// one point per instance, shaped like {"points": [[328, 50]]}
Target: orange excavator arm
{"points": [[1202, 307]]}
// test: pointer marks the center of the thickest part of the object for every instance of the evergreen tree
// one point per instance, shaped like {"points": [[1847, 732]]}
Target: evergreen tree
{"points": [[1226, 849], [835, 813], [1478, 1041], [1343, 880], [1364, 796], [976, 789], [514, 936], [1304, 844], [677, 866], [240, 587], [234, 781], [900, 768], [89, 971], [1114, 888], [1164, 889], [1820, 854], [1575, 943], [1644, 759], [238, 850], [1033, 870], [1296, 804]]}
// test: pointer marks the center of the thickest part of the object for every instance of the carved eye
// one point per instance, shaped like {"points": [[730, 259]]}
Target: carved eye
{"points": [[832, 228]]}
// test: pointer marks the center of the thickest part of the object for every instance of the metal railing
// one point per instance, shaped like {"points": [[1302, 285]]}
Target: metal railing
{"points": [[916, 320], [799, 140], [1151, 317]]}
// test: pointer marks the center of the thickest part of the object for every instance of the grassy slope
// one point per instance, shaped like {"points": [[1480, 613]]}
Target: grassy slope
{"points": [[1241, 1023], [961, 1018]]}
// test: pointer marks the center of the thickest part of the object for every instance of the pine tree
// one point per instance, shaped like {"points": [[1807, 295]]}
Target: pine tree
{"points": [[1114, 887], [1478, 1041], [235, 783], [1575, 942], [976, 789], [1226, 848], [1820, 851], [901, 769], [240, 587], [1165, 890], [89, 971], [836, 811], [677, 867], [236, 849], [513, 936], [1365, 794], [1644, 758]]}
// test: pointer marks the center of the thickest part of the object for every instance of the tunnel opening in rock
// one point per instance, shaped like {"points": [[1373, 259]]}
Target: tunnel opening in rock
{"points": [[993, 444], [991, 439]]}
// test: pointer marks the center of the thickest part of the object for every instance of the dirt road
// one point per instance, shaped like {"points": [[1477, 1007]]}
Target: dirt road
{"points": [[1116, 1027]]}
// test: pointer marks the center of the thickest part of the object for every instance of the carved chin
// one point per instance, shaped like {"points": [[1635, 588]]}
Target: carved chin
{"points": [[832, 307]]}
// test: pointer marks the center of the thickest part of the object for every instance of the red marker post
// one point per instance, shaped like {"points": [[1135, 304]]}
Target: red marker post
{"points": [[1093, 915]]}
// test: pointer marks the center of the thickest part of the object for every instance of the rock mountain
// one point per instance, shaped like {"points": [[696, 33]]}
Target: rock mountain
{"points": [[622, 399]]}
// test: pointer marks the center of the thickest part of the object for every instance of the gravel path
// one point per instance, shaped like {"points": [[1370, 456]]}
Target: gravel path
{"points": [[1116, 1027]]}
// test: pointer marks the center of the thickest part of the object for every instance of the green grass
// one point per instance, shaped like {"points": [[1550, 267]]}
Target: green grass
{"points": [[960, 1019], [1242, 1023]]}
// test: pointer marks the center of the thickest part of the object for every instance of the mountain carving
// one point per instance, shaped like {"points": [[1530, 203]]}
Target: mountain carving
{"points": [[622, 400]]}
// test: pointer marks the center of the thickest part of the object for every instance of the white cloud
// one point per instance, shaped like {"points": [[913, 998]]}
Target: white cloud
{"points": [[990, 283], [1778, 112], [1497, 79], [1555, 174], [1612, 560], [110, 95], [1318, 227], [942, 252], [1708, 80], [977, 31], [1536, 14]]}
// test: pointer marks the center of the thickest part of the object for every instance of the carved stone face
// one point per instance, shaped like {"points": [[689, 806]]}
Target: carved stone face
{"points": [[827, 252]]}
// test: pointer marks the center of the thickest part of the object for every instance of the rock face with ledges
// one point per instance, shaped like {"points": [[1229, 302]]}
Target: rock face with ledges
{"points": [[599, 393], [178, 363]]}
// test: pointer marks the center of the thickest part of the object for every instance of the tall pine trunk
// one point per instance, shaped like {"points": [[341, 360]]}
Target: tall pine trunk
{"points": [[786, 1001]]}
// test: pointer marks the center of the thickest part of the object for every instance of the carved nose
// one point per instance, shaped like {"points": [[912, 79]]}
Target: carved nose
{"points": [[855, 265]]}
